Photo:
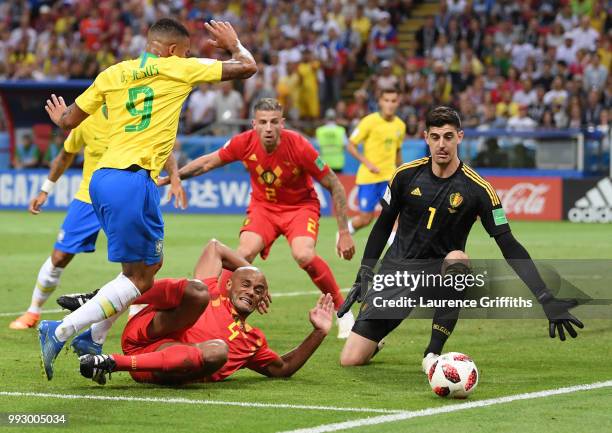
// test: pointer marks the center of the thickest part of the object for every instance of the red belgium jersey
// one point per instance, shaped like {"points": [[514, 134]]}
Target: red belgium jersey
{"points": [[248, 347], [283, 177]]}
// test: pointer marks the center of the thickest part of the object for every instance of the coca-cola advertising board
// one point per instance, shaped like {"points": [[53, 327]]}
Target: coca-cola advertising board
{"points": [[523, 198], [529, 198]]}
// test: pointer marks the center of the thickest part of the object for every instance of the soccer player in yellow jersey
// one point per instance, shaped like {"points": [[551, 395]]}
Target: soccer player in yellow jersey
{"points": [[144, 97], [80, 228], [382, 134]]}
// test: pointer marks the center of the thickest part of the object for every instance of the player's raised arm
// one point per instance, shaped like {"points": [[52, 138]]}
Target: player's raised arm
{"points": [[198, 166], [64, 117], [214, 258], [242, 65], [58, 166], [345, 246], [321, 320]]}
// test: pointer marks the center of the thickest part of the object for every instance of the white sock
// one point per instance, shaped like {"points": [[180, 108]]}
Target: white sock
{"points": [[47, 281], [99, 330], [391, 238], [113, 298], [351, 229], [135, 309]]}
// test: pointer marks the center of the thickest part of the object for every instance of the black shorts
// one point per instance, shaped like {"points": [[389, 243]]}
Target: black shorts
{"points": [[375, 321]]}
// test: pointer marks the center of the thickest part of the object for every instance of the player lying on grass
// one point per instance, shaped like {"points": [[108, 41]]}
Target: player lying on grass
{"points": [[189, 332], [80, 228], [282, 165], [438, 199]]}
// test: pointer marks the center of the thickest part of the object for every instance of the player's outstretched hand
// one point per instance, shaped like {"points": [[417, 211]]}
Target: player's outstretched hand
{"points": [[264, 305], [321, 316], [224, 35], [55, 108], [372, 167], [177, 192], [559, 317], [345, 247], [37, 202], [359, 289]]}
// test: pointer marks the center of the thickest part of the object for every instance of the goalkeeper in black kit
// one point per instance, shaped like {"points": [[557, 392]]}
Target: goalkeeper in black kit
{"points": [[437, 200]]}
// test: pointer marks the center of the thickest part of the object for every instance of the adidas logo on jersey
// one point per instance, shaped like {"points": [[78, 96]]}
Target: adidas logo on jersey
{"points": [[595, 206], [416, 191]]}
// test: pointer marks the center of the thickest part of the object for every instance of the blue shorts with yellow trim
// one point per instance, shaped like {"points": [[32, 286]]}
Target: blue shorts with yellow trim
{"points": [[79, 230], [127, 205], [370, 194]]}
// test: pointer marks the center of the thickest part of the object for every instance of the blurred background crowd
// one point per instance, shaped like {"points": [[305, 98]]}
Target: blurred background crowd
{"points": [[519, 65]]}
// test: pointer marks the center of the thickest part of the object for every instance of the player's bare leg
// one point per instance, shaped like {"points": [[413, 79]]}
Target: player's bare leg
{"points": [[250, 245], [444, 320], [46, 282], [363, 219], [304, 253], [357, 350]]}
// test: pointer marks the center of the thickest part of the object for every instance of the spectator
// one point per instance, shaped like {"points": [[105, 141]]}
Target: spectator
{"points": [[491, 156], [584, 36], [566, 18], [383, 39], [443, 51], [557, 95], [593, 108], [426, 37], [521, 121], [526, 94], [92, 30], [308, 104], [332, 139], [228, 106], [53, 149], [567, 51], [595, 74], [200, 108], [27, 154]]}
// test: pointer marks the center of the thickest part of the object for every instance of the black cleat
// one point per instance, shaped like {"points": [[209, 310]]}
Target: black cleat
{"points": [[75, 300], [96, 367]]}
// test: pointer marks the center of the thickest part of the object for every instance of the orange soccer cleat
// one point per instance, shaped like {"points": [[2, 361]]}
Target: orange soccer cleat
{"points": [[25, 321]]}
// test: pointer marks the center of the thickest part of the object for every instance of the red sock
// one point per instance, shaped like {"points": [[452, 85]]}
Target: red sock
{"points": [[322, 276], [223, 279], [165, 294], [177, 358]]}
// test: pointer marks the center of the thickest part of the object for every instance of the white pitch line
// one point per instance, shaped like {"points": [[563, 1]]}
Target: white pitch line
{"points": [[179, 400], [274, 295], [54, 310], [401, 416]]}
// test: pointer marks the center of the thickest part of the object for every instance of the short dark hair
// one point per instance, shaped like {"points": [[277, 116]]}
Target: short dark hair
{"points": [[387, 90], [169, 27], [267, 104], [442, 115]]}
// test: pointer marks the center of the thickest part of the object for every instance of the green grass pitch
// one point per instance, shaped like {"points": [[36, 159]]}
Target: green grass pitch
{"points": [[513, 356]]}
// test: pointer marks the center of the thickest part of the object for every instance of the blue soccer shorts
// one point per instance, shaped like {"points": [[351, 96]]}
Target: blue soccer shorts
{"points": [[127, 205], [369, 195], [79, 230]]}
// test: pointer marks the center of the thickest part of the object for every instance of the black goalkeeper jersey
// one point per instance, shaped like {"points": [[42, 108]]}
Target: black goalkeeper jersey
{"points": [[437, 214]]}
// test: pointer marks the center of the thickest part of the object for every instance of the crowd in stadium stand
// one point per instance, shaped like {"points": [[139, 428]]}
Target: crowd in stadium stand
{"points": [[520, 65]]}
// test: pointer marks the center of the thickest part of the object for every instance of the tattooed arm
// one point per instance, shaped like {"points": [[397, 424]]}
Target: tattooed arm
{"points": [[64, 117], [345, 246]]}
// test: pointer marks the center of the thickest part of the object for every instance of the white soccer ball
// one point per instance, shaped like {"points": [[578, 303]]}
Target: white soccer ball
{"points": [[453, 375]]}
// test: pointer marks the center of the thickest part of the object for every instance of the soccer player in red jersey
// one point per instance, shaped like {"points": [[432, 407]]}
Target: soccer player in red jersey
{"points": [[189, 332], [282, 164]]}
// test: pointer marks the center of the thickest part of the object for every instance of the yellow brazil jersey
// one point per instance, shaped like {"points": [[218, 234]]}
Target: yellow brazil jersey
{"points": [[91, 134], [144, 97], [381, 140]]}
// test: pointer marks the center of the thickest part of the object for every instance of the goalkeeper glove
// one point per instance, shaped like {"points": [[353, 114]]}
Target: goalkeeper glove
{"points": [[559, 317], [359, 289]]}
